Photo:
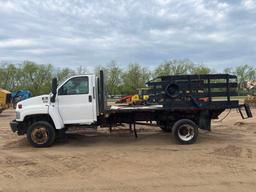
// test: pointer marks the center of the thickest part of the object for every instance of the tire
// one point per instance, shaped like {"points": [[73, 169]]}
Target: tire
{"points": [[172, 90], [41, 134], [185, 131]]}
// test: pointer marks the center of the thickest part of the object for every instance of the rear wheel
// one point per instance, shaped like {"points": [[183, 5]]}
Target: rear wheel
{"points": [[185, 131], [41, 134]]}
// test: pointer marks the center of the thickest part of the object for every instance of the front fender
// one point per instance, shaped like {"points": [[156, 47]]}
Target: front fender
{"points": [[40, 110], [30, 110], [56, 118]]}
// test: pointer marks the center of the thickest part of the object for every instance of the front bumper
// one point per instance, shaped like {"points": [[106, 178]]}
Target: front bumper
{"points": [[17, 127], [14, 126]]}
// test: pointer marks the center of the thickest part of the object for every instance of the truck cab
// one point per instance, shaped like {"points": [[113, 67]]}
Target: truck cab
{"points": [[72, 102]]}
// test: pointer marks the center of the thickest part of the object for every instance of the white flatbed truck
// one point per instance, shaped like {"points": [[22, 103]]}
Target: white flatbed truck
{"points": [[81, 101]]}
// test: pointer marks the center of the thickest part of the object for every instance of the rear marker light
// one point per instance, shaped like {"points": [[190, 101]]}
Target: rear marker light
{"points": [[20, 106]]}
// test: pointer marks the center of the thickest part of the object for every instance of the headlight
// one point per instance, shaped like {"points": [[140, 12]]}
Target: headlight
{"points": [[17, 115]]}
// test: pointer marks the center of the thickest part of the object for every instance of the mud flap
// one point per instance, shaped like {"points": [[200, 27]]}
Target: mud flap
{"points": [[248, 112]]}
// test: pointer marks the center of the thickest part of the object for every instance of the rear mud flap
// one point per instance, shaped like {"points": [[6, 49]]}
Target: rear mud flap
{"points": [[205, 120], [246, 113]]}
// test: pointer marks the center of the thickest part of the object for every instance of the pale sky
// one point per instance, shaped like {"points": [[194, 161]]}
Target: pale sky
{"points": [[82, 32]]}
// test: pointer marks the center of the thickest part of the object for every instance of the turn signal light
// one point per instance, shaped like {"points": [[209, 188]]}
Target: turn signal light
{"points": [[20, 106]]}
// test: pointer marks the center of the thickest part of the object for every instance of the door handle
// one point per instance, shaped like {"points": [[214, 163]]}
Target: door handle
{"points": [[90, 98]]}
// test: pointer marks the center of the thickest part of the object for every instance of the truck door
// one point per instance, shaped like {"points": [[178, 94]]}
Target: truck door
{"points": [[76, 100]]}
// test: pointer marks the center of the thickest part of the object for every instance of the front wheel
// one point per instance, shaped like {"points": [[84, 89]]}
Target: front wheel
{"points": [[41, 134], [185, 131]]}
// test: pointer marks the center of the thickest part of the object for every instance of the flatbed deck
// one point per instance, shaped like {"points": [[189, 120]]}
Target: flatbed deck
{"points": [[213, 105]]}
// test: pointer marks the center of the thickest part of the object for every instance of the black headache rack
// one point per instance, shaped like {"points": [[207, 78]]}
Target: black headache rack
{"points": [[197, 92], [102, 95], [211, 92]]}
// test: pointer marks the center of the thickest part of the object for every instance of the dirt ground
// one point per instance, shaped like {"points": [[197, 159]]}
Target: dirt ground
{"points": [[221, 160]]}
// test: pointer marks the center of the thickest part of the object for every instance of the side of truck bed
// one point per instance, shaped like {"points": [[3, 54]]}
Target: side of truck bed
{"points": [[198, 98]]}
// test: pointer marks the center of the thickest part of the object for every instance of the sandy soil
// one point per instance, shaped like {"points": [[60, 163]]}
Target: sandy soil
{"points": [[221, 160]]}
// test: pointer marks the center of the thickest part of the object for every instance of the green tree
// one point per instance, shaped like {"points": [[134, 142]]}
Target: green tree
{"points": [[174, 67], [200, 69], [98, 68], [244, 73], [134, 78], [62, 74], [81, 70], [36, 78], [228, 70], [113, 78], [8, 76]]}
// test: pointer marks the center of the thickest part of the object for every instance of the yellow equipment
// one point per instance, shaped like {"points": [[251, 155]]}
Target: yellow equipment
{"points": [[141, 97], [5, 99]]}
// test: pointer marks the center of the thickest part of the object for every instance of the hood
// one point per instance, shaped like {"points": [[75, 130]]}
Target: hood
{"points": [[32, 106], [38, 100]]}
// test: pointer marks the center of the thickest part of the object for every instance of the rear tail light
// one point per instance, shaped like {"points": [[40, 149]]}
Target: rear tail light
{"points": [[20, 106]]}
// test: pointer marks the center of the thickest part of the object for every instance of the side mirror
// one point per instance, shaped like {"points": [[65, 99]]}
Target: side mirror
{"points": [[54, 89]]}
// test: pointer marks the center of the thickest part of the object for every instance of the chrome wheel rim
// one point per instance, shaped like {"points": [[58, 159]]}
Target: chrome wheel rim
{"points": [[186, 132]]}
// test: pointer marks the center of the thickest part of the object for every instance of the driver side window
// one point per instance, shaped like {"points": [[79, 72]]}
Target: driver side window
{"points": [[75, 86]]}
